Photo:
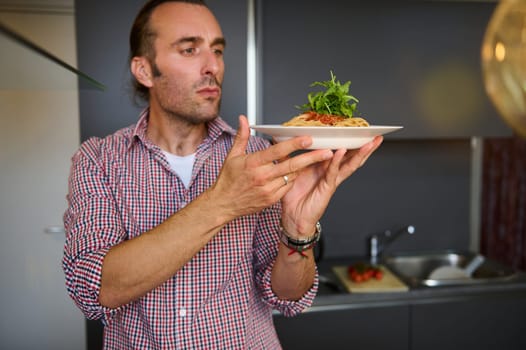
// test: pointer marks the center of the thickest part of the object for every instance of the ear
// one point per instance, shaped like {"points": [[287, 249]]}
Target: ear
{"points": [[141, 69]]}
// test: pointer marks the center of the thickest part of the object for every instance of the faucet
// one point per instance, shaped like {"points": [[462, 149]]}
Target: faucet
{"points": [[378, 242]]}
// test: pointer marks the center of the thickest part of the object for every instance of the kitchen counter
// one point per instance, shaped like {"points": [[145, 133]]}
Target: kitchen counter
{"points": [[476, 316], [329, 298]]}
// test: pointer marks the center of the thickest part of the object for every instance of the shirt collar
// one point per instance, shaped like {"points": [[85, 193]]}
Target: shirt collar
{"points": [[216, 128]]}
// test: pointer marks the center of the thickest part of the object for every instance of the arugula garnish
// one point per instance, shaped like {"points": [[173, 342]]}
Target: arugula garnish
{"points": [[335, 100]]}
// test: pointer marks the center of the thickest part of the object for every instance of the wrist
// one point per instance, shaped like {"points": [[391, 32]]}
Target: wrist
{"points": [[300, 244], [297, 228]]}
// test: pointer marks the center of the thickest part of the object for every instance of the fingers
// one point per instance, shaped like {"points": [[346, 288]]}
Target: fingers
{"points": [[345, 163], [262, 164], [275, 162], [275, 152], [365, 152], [274, 169], [241, 140], [287, 179], [282, 150], [299, 162]]}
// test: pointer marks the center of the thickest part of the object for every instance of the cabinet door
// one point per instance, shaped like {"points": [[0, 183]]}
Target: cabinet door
{"points": [[489, 323], [363, 328], [410, 63]]}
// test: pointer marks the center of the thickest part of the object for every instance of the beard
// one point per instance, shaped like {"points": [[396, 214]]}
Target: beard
{"points": [[179, 103]]}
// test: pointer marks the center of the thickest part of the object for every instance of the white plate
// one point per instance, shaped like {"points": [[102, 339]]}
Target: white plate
{"points": [[333, 137]]}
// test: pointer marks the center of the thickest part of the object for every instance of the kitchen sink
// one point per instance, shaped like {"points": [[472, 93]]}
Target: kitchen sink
{"points": [[415, 268]]}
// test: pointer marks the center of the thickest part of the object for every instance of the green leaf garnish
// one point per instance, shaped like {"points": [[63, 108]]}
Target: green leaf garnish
{"points": [[335, 100]]}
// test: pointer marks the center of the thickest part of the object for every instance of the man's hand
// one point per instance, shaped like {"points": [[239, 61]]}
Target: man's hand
{"points": [[307, 200], [249, 183]]}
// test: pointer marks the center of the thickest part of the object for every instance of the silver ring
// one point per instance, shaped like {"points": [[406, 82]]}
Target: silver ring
{"points": [[286, 179]]}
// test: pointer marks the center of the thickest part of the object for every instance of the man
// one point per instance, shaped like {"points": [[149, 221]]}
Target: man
{"points": [[174, 224]]}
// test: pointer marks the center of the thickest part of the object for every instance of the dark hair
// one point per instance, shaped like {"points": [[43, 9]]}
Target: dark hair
{"points": [[142, 36]]}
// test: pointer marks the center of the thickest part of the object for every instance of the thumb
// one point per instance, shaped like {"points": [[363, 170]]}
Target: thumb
{"points": [[241, 140]]}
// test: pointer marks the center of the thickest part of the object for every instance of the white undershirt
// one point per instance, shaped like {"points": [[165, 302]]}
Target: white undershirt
{"points": [[182, 166]]}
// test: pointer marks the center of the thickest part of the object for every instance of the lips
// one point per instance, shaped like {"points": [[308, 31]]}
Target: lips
{"points": [[210, 91]]}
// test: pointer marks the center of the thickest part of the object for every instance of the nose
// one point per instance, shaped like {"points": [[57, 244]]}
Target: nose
{"points": [[213, 63]]}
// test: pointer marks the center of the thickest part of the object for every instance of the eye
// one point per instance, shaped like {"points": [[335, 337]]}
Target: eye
{"points": [[218, 51], [189, 51]]}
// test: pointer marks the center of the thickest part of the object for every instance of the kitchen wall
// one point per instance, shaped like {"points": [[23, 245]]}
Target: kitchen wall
{"points": [[420, 183], [39, 133]]}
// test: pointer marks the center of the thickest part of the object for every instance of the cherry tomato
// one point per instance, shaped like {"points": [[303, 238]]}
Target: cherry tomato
{"points": [[361, 272], [358, 278]]}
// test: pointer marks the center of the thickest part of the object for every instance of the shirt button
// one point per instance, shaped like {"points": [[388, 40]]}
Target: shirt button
{"points": [[182, 312]]}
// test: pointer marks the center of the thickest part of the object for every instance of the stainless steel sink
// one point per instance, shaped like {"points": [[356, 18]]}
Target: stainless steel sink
{"points": [[415, 268]]}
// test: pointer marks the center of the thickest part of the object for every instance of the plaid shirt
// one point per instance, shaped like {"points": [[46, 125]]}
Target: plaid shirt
{"points": [[122, 186]]}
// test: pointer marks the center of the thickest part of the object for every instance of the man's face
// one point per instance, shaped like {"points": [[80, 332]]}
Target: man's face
{"points": [[188, 68]]}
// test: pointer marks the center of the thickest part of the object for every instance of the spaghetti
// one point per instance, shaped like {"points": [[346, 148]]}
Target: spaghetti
{"points": [[316, 119]]}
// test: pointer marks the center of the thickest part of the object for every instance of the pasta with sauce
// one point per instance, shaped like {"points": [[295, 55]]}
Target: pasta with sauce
{"points": [[316, 119]]}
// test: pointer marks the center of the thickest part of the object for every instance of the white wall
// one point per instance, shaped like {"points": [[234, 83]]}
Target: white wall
{"points": [[39, 131]]}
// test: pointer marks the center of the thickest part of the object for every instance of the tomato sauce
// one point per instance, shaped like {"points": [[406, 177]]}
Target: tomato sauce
{"points": [[326, 119]]}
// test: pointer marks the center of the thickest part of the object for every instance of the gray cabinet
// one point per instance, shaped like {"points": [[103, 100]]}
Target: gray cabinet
{"points": [[361, 328], [486, 321], [411, 63], [496, 323]]}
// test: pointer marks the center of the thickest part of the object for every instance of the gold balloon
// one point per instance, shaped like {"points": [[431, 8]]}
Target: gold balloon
{"points": [[504, 62]]}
